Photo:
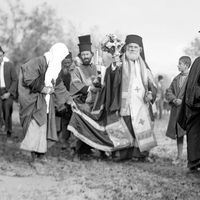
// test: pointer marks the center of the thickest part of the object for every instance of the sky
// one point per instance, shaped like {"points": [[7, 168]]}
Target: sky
{"points": [[166, 26]]}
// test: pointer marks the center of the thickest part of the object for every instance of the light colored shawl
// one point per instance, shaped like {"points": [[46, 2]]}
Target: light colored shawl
{"points": [[54, 58]]}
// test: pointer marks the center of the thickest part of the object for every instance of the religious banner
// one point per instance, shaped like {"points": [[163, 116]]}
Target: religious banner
{"points": [[111, 137]]}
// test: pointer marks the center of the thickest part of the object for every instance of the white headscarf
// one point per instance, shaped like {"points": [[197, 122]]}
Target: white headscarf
{"points": [[54, 58]]}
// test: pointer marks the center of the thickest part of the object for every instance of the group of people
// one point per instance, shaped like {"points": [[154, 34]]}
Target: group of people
{"points": [[104, 108]]}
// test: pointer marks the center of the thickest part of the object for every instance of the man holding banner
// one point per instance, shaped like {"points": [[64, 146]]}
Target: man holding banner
{"points": [[120, 120]]}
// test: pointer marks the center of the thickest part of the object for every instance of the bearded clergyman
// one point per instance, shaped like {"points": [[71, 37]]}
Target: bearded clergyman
{"points": [[138, 91], [82, 87], [83, 74], [121, 119]]}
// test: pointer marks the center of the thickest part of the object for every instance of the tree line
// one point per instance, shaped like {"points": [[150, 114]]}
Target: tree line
{"points": [[29, 34]]}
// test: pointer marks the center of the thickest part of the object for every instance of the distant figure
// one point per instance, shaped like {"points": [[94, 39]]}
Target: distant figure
{"points": [[160, 96], [174, 94], [189, 117], [166, 106], [8, 89]]}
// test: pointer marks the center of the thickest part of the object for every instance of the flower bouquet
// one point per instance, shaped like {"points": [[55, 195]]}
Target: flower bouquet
{"points": [[113, 45]]}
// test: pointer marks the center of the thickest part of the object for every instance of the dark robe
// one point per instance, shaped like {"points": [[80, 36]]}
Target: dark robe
{"points": [[189, 116], [172, 93], [32, 101], [65, 113], [81, 79]]}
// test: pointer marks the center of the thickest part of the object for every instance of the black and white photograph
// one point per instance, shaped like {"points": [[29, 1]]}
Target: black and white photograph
{"points": [[99, 100]]}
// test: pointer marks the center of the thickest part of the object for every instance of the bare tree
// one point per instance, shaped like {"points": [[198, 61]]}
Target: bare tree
{"points": [[12, 25], [25, 35], [29, 34], [71, 37]]}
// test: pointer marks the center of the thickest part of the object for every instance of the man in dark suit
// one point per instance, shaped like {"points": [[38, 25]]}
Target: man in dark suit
{"points": [[8, 88]]}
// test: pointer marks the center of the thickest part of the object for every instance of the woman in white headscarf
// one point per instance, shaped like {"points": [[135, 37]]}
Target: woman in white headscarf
{"points": [[40, 91]]}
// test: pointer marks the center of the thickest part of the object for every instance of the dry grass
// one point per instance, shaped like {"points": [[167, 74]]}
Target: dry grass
{"points": [[93, 179]]}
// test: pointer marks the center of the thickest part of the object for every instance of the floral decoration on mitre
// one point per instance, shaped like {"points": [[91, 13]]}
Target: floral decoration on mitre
{"points": [[112, 45]]}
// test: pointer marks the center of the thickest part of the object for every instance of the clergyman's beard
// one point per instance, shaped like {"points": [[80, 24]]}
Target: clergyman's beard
{"points": [[132, 56], [86, 61]]}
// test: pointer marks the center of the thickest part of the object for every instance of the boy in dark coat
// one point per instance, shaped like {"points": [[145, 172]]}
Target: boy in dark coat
{"points": [[174, 94]]}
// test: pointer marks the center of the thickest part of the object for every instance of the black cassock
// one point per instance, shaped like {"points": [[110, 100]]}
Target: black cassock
{"points": [[189, 117]]}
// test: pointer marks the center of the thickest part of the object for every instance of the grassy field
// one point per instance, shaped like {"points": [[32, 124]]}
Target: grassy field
{"points": [[62, 178]]}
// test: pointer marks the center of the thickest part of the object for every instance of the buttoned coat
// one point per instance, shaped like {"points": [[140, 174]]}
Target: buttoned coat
{"points": [[172, 93]]}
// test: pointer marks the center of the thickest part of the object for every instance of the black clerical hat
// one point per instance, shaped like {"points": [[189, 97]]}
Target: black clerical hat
{"points": [[135, 39], [84, 43]]}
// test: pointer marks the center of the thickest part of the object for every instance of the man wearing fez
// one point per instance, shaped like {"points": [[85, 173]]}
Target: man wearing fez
{"points": [[8, 88], [138, 91]]}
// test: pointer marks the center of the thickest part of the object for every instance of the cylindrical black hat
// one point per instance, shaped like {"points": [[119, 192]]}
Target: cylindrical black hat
{"points": [[84, 43]]}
